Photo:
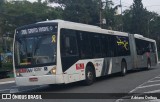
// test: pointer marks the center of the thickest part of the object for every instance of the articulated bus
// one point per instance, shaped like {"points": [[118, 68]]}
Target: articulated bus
{"points": [[61, 52]]}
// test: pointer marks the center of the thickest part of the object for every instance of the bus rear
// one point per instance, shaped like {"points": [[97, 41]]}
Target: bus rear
{"points": [[35, 54]]}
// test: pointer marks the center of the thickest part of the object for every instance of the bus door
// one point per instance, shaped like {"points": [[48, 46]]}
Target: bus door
{"points": [[69, 48]]}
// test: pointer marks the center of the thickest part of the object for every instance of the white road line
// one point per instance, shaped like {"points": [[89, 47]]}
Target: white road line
{"points": [[154, 91], [142, 84], [7, 82], [148, 86], [154, 81], [157, 77], [157, 100]]}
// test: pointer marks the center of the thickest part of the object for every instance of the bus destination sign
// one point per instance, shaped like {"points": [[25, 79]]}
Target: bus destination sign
{"points": [[36, 30]]}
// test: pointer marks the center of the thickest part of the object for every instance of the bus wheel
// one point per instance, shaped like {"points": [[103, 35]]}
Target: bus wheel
{"points": [[90, 76], [123, 68], [148, 64]]}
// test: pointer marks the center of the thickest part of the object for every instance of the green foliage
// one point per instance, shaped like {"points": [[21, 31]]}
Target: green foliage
{"points": [[7, 66], [83, 11], [138, 18], [18, 13]]}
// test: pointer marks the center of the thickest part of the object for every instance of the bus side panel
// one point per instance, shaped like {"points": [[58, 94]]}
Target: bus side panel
{"points": [[155, 56], [77, 71], [113, 65], [103, 66], [133, 51], [145, 52]]}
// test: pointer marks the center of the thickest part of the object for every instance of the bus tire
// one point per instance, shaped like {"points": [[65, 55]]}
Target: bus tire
{"points": [[148, 64], [89, 76], [123, 68]]}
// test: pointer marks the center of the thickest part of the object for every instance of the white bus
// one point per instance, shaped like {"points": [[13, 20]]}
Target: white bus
{"points": [[61, 52]]}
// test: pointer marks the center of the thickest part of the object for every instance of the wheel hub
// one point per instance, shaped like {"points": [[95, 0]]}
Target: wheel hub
{"points": [[90, 75]]}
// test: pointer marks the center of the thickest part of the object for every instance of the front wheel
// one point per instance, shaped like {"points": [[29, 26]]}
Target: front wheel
{"points": [[123, 68], [90, 76]]}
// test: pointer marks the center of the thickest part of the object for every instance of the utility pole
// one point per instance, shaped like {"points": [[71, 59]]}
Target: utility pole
{"points": [[121, 6], [100, 13], [121, 15], [102, 4], [148, 28]]}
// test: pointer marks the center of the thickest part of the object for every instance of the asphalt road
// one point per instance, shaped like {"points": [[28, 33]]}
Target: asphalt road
{"points": [[137, 81]]}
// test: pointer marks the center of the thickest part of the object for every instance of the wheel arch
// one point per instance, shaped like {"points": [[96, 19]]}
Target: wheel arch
{"points": [[92, 66], [124, 60]]}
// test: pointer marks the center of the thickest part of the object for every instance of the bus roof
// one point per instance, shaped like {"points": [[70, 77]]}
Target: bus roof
{"points": [[84, 27], [143, 38]]}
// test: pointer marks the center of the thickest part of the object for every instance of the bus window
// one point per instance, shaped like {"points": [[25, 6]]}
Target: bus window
{"points": [[68, 43], [143, 46], [104, 46], [85, 45], [153, 49], [123, 46], [111, 46], [96, 46]]}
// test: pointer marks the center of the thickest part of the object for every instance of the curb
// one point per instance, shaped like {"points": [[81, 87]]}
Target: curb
{"points": [[7, 80]]}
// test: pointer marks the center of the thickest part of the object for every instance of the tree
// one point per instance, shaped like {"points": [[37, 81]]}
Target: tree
{"points": [[127, 20], [19, 13], [138, 13], [82, 11]]}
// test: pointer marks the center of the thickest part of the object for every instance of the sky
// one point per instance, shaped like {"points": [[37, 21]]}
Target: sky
{"points": [[151, 5]]}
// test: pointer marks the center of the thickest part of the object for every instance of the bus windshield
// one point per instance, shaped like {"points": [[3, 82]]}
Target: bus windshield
{"points": [[35, 50]]}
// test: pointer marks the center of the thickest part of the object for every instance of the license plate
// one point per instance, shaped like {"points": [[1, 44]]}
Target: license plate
{"points": [[33, 79]]}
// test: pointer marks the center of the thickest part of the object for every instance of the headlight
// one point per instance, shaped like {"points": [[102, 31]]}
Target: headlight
{"points": [[18, 74], [53, 71]]}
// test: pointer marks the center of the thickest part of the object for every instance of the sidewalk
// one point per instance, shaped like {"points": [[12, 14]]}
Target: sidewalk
{"points": [[7, 80]]}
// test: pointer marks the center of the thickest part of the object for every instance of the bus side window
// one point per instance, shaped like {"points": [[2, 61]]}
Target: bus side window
{"points": [[104, 46], [68, 43], [111, 46], [96, 46], [84, 45], [153, 47]]}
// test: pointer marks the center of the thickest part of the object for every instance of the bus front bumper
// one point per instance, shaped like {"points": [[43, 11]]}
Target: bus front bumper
{"points": [[39, 80]]}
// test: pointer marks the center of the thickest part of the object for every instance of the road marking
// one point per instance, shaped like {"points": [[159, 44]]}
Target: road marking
{"points": [[154, 91], [154, 81], [158, 100], [157, 77], [7, 82], [142, 84], [148, 86]]}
